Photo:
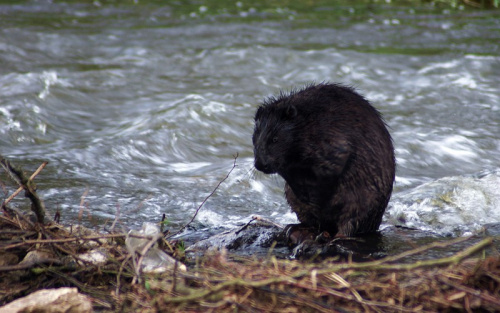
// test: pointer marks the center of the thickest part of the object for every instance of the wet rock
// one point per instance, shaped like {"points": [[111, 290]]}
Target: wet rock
{"points": [[304, 244], [39, 257], [248, 240], [95, 257], [61, 300], [492, 229], [292, 242], [361, 248]]}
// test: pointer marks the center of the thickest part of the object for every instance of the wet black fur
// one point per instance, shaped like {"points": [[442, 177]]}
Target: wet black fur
{"points": [[333, 149]]}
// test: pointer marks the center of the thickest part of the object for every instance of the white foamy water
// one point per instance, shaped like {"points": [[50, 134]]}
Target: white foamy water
{"points": [[449, 206]]}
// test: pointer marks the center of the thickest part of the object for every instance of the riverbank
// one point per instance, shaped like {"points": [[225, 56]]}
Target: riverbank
{"points": [[111, 271], [220, 282]]}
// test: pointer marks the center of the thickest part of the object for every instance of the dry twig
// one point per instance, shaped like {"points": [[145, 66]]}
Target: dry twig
{"points": [[28, 185], [205, 200]]}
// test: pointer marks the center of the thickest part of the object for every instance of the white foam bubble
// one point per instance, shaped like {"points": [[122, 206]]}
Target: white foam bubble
{"points": [[465, 80], [49, 78], [211, 218], [187, 167], [455, 146], [449, 206], [213, 107], [439, 65], [257, 186]]}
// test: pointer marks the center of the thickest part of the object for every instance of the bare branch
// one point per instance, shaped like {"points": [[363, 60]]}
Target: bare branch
{"points": [[28, 185], [206, 199]]}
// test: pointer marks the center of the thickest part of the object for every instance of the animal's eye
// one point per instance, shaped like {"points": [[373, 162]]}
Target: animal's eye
{"points": [[275, 139]]}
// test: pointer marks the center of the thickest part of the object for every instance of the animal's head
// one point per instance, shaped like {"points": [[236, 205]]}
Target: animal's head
{"points": [[273, 137]]}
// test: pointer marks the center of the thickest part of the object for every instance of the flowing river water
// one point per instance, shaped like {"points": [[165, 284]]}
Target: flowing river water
{"points": [[140, 108]]}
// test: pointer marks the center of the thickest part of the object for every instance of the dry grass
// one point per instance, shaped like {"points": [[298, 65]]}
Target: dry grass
{"points": [[223, 283]]}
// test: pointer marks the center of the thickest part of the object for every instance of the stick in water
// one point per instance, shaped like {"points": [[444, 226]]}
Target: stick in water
{"points": [[206, 199]]}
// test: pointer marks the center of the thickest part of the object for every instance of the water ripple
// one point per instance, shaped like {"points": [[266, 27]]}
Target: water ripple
{"points": [[148, 104]]}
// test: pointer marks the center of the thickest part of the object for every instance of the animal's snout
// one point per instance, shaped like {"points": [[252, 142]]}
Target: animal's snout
{"points": [[262, 164]]}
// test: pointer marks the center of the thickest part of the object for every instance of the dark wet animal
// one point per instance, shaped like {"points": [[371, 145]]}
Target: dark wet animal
{"points": [[334, 151]]}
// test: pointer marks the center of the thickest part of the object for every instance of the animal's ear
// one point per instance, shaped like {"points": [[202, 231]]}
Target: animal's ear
{"points": [[290, 112]]}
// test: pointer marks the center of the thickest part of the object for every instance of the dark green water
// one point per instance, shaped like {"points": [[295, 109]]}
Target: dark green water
{"points": [[144, 104]]}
